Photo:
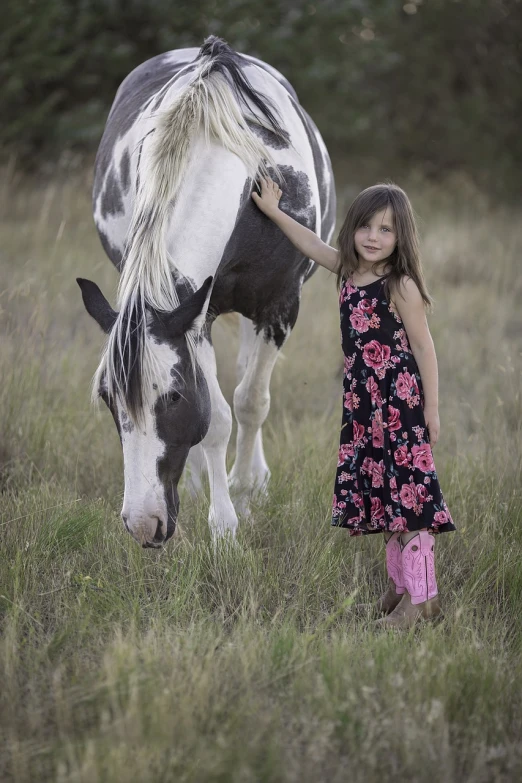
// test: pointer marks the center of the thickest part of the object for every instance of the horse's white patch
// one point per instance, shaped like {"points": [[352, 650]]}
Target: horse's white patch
{"points": [[327, 174], [144, 501], [205, 211]]}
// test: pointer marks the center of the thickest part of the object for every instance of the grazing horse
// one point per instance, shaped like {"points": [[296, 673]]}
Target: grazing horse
{"points": [[188, 134]]}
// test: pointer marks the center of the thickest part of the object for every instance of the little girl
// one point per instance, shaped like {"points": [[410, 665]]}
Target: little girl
{"points": [[386, 480]]}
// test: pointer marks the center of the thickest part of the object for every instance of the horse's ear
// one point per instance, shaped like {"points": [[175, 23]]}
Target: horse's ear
{"points": [[183, 317], [96, 304]]}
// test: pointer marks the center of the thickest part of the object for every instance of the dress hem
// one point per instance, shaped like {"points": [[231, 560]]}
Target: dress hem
{"points": [[435, 529]]}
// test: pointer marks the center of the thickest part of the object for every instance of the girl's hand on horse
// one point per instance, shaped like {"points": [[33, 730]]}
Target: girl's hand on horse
{"points": [[268, 201]]}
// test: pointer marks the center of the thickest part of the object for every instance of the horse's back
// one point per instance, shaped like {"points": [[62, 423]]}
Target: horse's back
{"points": [[303, 160], [142, 84]]}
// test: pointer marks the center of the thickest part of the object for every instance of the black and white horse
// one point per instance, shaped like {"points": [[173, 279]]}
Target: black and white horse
{"points": [[187, 136]]}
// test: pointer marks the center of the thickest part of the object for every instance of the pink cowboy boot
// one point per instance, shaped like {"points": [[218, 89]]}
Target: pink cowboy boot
{"points": [[421, 598], [389, 600]]}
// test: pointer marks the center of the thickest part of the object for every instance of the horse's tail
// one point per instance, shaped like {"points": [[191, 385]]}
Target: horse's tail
{"points": [[213, 101]]}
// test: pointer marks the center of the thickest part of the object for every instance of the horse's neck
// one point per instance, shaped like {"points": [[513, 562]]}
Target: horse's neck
{"points": [[205, 211]]}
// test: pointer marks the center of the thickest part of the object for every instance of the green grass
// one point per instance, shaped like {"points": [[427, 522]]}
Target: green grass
{"points": [[254, 663]]}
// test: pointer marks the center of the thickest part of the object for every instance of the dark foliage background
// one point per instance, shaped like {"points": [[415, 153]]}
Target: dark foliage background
{"points": [[434, 84]]}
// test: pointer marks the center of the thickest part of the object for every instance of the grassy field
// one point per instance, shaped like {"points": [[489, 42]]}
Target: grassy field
{"points": [[253, 664]]}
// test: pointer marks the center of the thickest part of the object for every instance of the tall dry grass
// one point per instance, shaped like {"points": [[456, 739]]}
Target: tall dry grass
{"points": [[252, 664]]}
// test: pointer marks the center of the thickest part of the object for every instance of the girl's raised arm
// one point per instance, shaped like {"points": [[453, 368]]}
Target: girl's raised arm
{"points": [[305, 240]]}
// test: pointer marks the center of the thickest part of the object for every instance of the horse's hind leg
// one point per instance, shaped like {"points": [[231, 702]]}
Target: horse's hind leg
{"points": [[251, 406], [260, 470]]}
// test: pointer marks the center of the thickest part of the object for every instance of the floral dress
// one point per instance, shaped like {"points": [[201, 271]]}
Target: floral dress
{"points": [[386, 477]]}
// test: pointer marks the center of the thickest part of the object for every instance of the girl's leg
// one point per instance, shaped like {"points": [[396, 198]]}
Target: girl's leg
{"points": [[389, 600], [418, 565]]}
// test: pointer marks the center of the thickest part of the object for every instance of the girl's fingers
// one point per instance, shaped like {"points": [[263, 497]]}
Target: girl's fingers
{"points": [[269, 184], [267, 187]]}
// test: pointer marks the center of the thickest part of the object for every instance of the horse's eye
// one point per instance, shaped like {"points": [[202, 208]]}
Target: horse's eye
{"points": [[174, 396]]}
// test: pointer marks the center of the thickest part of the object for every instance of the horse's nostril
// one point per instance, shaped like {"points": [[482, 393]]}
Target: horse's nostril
{"points": [[158, 536]]}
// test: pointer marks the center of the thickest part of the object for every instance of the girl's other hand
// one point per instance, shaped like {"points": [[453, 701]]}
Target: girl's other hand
{"points": [[431, 417], [268, 201]]}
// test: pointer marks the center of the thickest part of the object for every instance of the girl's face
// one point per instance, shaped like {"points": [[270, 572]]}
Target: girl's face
{"points": [[376, 239]]}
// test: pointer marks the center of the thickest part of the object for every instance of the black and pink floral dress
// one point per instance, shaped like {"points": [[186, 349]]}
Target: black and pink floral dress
{"points": [[386, 477]]}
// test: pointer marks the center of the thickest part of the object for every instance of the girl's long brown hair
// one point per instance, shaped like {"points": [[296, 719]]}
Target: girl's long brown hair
{"points": [[405, 259]]}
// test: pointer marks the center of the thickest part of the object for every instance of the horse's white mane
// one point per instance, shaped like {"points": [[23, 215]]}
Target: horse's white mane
{"points": [[207, 102]]}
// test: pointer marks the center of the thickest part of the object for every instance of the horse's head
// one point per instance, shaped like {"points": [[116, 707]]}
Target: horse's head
{"points": [[160, 402]]}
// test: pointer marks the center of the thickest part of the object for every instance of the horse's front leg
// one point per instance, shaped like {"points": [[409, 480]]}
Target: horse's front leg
{"points": [[222, 518], [195, 469]]}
